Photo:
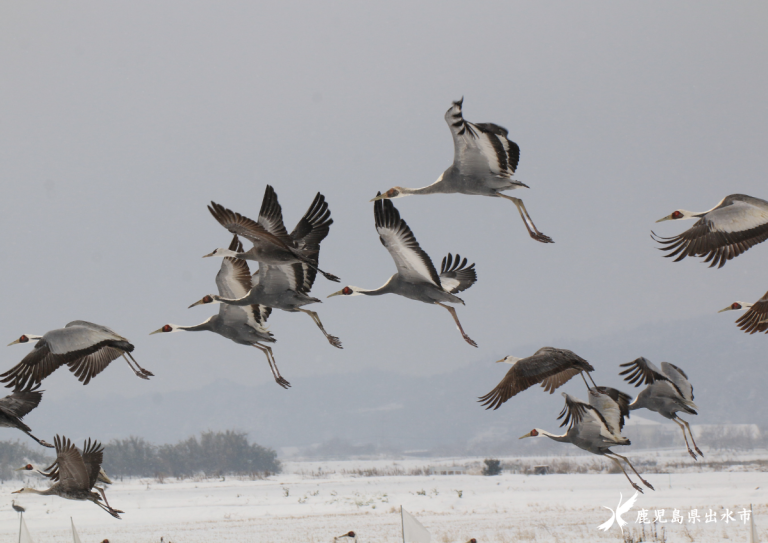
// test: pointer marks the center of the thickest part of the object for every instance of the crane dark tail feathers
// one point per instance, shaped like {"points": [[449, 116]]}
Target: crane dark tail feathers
{"points": [[312, 263], [329, 276]]}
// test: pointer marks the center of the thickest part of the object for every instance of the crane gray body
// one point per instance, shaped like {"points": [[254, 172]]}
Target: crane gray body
{"points": [[660, 398], [421, 292]]}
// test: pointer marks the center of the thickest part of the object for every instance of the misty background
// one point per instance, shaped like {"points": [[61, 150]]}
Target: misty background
{"points": [[120, 122]]}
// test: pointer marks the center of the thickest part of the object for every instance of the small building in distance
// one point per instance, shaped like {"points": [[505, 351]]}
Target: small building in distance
{"points": [[540, 470]]}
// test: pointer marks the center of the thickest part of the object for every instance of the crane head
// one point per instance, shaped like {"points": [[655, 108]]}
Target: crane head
{"points": [[532, 433], [24, 490], [679, 214], [394, 192], [28, 467], [166, 329], [25, 338], [207, 299], [735, 306], [348, 291], [222, 253], [512, 360]]}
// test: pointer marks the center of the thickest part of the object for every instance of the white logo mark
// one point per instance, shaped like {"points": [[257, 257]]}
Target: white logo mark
{"points": [[616, 515]]}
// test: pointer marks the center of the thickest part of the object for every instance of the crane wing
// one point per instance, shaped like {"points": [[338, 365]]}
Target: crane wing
{"points": [[314, 225], [41, 361], [413, 264], [737, 223], [101, 329], [756, 317], [93, 456], [610, 411], [89, 366], [481, 148], [550, 384], [277, 279], [679, 379], [243, 226], [271, 216], [577, 413], [79, 337], [550, 366], [642, 371], [455, 275], [21, 402], [622, 400], [234, 281], [309, 232], [71, 468]]}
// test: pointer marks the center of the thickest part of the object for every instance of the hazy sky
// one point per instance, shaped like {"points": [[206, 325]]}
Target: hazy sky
{"points": [[119, 122]]}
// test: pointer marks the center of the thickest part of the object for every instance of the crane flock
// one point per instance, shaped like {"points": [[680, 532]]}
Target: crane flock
{"points": [[485, 161]]}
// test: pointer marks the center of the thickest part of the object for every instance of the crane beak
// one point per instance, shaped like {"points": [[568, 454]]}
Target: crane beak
{"points": [[335, 294], [106, 479], [526, 435], [667, 218], [16, 492], [201, 301], [379, 197], [725, 309], [13, 343], [209, 254], [156, 331]]}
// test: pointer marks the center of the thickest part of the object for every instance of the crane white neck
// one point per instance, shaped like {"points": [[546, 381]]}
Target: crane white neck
{"points": [[435, 188]]}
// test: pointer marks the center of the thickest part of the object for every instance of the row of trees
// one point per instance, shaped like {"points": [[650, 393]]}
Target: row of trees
{"points": [[14, 454], [215, 453]]}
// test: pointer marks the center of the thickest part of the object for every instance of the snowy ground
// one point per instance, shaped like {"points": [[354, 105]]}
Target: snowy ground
{"points": [[314, 501]]}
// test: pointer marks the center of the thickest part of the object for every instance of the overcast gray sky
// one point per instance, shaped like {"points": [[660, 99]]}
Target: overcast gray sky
{"points": [[119, 122]]}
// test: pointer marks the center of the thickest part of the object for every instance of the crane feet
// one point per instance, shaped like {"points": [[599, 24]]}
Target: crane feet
{"points": [[469, 340], [336, 342], [646, 483], [44, 443], [692, 454], [638, 488], [698, 451], [140, 375], [543, 238], [282, 382]]}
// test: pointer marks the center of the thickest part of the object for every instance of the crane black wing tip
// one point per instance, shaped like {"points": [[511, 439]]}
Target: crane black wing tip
{"points": [[490, 403]]}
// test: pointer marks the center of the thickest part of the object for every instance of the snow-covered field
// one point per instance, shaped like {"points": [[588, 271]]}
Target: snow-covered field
{"points": [[314, 501]]}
